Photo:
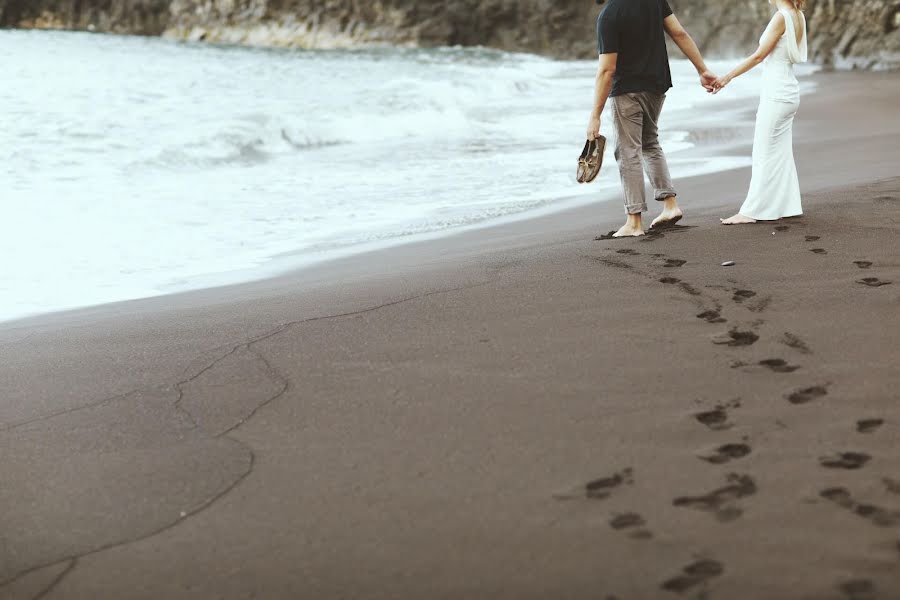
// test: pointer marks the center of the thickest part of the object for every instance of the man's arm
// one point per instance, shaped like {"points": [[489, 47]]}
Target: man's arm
{"points": [[602, 86], [686, 43]]}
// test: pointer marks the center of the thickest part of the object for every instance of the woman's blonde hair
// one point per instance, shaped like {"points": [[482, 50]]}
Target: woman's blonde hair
{"points": [[799, 4]]}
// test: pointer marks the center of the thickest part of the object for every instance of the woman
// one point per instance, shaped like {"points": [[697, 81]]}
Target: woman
{"points": [[774, 187]]}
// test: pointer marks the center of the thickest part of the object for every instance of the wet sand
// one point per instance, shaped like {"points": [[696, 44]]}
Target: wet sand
{"points": [[514, 412]]}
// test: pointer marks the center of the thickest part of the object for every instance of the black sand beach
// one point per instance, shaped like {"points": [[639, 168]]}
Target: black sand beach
{"points": [[515, 412]]}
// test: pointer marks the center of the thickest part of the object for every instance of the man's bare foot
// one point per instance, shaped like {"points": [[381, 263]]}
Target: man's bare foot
{"points": [[628, 231], [633, 227], [671, 214], [737, 219]]}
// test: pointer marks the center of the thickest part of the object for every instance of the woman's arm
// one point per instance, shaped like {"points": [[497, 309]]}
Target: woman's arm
{"points": [[769, 40]]}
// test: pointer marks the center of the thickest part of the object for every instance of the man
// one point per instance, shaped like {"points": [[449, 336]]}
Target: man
{"points": [[634, 72]]}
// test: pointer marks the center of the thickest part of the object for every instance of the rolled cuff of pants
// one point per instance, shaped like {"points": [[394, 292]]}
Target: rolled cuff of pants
{"points": [[662, 195], [632, 173]]}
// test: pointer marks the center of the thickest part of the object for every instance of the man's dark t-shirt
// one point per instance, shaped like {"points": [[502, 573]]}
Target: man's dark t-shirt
{"points": [[634, 29]]}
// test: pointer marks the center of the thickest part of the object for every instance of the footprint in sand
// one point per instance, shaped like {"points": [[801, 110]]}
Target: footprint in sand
{"points": [[727, 453], [862, 264], [792, 341], [685, 287], [712, 316], [660, 231], [891, 485], [717, 418], [674, 262], [782, 228], [628, 252], [632, 522], [741, 295], [693, 575], [722, 502], [868, 425], [873, 282], [613, 262], [779, 365], [688, 288], [813, 238], [845, 460], [760, 305], [858, 589], [819, 251], [599, 489], [880, 517], [735, 338], [807, 395]]}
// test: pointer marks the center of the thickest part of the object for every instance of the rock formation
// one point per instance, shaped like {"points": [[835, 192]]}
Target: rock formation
{"points": [[843, 33]]}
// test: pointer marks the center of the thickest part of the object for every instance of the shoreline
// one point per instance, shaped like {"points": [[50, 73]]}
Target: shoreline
{"points": [[705, 150], [738, 141], [516, 412], [97, 271]]}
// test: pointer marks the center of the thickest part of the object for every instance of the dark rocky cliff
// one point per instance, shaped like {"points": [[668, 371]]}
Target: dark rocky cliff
{"points": [[843, 33], [141, 17]]}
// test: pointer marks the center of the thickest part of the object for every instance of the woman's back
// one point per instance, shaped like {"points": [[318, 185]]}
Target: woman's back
{"points": [[779, 82]]}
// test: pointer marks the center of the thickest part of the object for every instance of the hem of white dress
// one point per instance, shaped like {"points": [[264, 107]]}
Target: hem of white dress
{"points": [[799, 214]]}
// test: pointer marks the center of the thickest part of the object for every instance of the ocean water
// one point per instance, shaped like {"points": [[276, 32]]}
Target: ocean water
{"points": [[134, 167]]}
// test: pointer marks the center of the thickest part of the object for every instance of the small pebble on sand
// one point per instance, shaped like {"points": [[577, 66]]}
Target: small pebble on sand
{"points": [[728, 263]]}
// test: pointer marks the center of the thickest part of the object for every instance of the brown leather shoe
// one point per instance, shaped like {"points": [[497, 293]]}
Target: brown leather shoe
{"points": [[582, 162], [591, 160]]}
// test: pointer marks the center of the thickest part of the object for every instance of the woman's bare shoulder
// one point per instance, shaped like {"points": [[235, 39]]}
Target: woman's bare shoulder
{"points": [[778, 21]]}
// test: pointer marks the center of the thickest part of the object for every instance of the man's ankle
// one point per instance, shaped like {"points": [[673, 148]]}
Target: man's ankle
{"points": [[670, 204]]}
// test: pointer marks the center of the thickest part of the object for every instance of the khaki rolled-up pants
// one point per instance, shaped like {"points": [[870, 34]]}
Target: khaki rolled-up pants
{"points": [[636, 118]]}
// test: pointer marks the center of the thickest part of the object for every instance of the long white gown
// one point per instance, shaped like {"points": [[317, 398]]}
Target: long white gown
{"points": [[774, 187]]}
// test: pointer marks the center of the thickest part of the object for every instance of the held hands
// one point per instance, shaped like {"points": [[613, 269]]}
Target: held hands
{"points": [[713, 84], [719, 84], [593, 130], [707, 80]]}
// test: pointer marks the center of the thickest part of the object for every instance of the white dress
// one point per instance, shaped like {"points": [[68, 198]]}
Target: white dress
{"points": [[774, 187]]}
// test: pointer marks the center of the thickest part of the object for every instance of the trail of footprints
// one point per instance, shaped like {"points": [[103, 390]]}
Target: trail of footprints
{"points": [[874, 282], [724, 503]]}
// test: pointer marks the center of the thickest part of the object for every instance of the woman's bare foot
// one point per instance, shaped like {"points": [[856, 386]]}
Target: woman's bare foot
{"points": [[737, 219], [633, 227], [671, 214]]}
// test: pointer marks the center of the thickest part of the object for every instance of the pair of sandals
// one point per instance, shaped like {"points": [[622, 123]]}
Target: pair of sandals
{"points": [[591, 160]]}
